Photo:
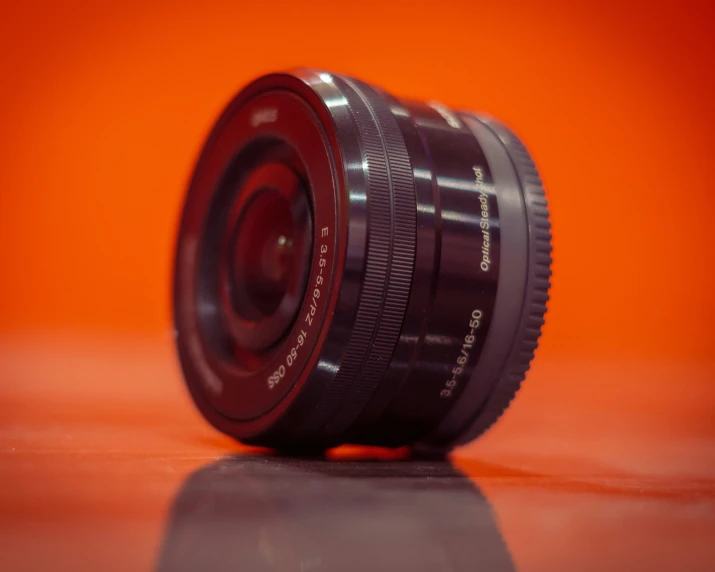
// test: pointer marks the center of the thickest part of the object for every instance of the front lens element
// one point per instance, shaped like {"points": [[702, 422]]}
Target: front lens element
{"points": [[268, 253], [263, 256]]}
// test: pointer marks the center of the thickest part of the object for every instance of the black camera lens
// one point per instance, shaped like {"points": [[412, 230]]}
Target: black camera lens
{"points": [[354, 267]]}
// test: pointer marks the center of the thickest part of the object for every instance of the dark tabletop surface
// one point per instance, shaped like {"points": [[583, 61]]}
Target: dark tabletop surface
{"points": [[105, 465]]}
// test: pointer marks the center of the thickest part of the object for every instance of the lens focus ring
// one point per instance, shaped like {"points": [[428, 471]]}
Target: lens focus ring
{"points": [[389, 264]]}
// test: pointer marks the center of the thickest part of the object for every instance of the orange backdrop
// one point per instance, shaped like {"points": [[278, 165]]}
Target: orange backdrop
{"points": [[104, 108]]}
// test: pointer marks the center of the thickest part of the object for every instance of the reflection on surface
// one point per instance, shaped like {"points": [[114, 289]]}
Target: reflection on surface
{"points": [[269, 513]]}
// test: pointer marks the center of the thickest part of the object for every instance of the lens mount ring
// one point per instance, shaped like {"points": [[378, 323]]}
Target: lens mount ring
{"points": [[537, 286], [498, 395]]}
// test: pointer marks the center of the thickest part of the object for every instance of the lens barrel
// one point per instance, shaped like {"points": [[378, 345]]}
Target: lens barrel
{"points": [[397, 268]]}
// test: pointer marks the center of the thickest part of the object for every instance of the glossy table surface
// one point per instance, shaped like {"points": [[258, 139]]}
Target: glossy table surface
{"points": [[107, 466]]}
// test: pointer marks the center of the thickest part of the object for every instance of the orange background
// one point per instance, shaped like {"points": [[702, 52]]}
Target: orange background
{"points": [[104, 108]]}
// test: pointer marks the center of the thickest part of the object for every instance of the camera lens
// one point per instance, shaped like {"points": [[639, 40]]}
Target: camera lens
{"points": [[356, 267]]}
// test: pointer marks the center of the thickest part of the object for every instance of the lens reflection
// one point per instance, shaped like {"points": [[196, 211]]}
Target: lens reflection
{"points": [[263, 257], [268, 513]]}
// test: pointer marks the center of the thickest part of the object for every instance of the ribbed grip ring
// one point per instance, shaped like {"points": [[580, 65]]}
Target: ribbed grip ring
{"points": [[537, 284], [391, 243]]}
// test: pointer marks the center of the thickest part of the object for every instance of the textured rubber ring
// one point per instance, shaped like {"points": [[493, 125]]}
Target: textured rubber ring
{"points": [[390, 258]]}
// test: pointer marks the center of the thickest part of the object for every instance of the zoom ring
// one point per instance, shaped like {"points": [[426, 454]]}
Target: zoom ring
{"points": [[537, 284], [389, 266]]}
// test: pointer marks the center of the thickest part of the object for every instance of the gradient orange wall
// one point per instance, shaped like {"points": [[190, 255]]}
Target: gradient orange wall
{"points": [[104, 107]]}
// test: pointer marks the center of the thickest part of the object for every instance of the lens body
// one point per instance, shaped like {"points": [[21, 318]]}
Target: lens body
{"points": [[354, 267]]}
